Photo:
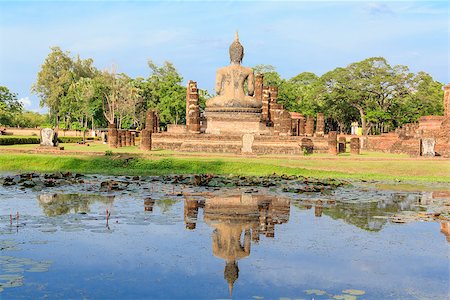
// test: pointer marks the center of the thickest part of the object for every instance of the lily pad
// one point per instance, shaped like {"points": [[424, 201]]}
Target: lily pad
{"points": [[344, 297], [315, 292], [354, 292]]}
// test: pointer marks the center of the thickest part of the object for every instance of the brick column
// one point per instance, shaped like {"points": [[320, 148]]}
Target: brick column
{"points": [[301, 125], [150, 120], [332, 142], [192, 108], [146, 140], [447, 100], [309, 127], [259, 79], [320, 124], [127, 138], [112, 136], [355, 146], [123, 138], [265, 104]]}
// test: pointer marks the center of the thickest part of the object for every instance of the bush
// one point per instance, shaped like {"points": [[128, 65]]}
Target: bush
{"points": [[10, 140], [73, 139], [15, 140]]}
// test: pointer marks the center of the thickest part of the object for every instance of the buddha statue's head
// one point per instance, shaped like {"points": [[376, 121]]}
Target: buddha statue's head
{"points": [[236, 51]]}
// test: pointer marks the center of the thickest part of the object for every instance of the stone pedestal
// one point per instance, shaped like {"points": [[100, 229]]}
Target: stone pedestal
{"points": [[355, 146], [332, 142], [320, 124], [229, 120], [146, 140], [342, 144], [309, 127], [247, 143], [428, 147]]}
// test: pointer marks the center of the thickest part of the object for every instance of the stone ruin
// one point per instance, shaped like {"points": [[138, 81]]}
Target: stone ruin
{"points": [[430, 136], [244, 117], [49, 138]]}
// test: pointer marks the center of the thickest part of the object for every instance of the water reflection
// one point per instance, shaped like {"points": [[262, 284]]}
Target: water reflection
{"points": [[61, 204], [366, 215], [237, 221]]}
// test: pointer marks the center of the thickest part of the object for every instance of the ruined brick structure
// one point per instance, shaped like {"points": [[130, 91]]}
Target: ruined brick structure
{"points": [[192, 108]]}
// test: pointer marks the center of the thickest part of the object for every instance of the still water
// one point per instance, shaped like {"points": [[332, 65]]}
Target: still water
{"points": [[169, 241]]}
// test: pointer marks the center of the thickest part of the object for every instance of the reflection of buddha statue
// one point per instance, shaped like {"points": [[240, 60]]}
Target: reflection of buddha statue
{"points": [[230, 82], [226, 244], [239, 219]]}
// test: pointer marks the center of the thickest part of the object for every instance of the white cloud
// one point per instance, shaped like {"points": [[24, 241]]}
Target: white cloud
{"points": [[26, 102]]}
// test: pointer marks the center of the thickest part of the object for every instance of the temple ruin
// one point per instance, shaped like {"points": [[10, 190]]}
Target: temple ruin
{"points": [[245, 117]]}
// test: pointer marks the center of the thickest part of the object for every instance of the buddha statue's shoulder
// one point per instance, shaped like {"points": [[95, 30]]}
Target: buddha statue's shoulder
{"points": [[223, 69]]}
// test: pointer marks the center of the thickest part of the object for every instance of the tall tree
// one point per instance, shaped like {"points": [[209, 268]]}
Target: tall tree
{"points": [[58, 73], [163, 91]]}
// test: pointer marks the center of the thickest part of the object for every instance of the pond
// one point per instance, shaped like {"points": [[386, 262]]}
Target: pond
{"points": [[127, 238]]}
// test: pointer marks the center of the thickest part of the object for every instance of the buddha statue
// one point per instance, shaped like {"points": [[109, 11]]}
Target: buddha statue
{"points": [[230, 82]]}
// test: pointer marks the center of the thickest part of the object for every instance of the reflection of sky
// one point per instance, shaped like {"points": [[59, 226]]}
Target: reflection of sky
{"points": [[162, 259]]}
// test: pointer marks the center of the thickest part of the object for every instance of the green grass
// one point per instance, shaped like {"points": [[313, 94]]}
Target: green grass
{"points": [[166, 162]]}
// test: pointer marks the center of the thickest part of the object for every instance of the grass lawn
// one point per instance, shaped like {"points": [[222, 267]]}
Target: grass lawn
{"points": [[369, 165]]}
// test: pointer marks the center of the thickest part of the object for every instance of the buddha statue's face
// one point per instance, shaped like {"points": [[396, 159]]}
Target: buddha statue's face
{"points": [[236, 51]]}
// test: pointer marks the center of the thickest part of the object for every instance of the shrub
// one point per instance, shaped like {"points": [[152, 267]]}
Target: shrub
{"points": [[73, 139], [10, 140]]}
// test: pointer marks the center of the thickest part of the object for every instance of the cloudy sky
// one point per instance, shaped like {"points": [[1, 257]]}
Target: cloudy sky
{"points": [[293, 36]]}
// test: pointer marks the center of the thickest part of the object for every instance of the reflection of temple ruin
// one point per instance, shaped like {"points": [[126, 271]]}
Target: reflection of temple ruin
{"points": [[60, 204], [237, 221]]}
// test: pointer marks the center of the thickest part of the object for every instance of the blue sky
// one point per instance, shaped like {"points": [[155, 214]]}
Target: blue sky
{"points": [[293, 36]]}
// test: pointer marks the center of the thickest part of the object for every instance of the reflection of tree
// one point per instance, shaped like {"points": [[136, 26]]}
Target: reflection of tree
{"points": [[165, 205], [60, 204], [237, 220], [363, 215]]}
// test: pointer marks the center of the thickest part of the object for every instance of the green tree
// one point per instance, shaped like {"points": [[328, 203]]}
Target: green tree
{"points": [[10, 107], [58, 74], [163, 90], [29, 119]]}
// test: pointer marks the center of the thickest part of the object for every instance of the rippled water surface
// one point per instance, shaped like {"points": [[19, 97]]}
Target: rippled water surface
{"points": [[161, 240]]}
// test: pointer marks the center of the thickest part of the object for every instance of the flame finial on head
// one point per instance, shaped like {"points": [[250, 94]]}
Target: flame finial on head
{"points": [[236, 50]]}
